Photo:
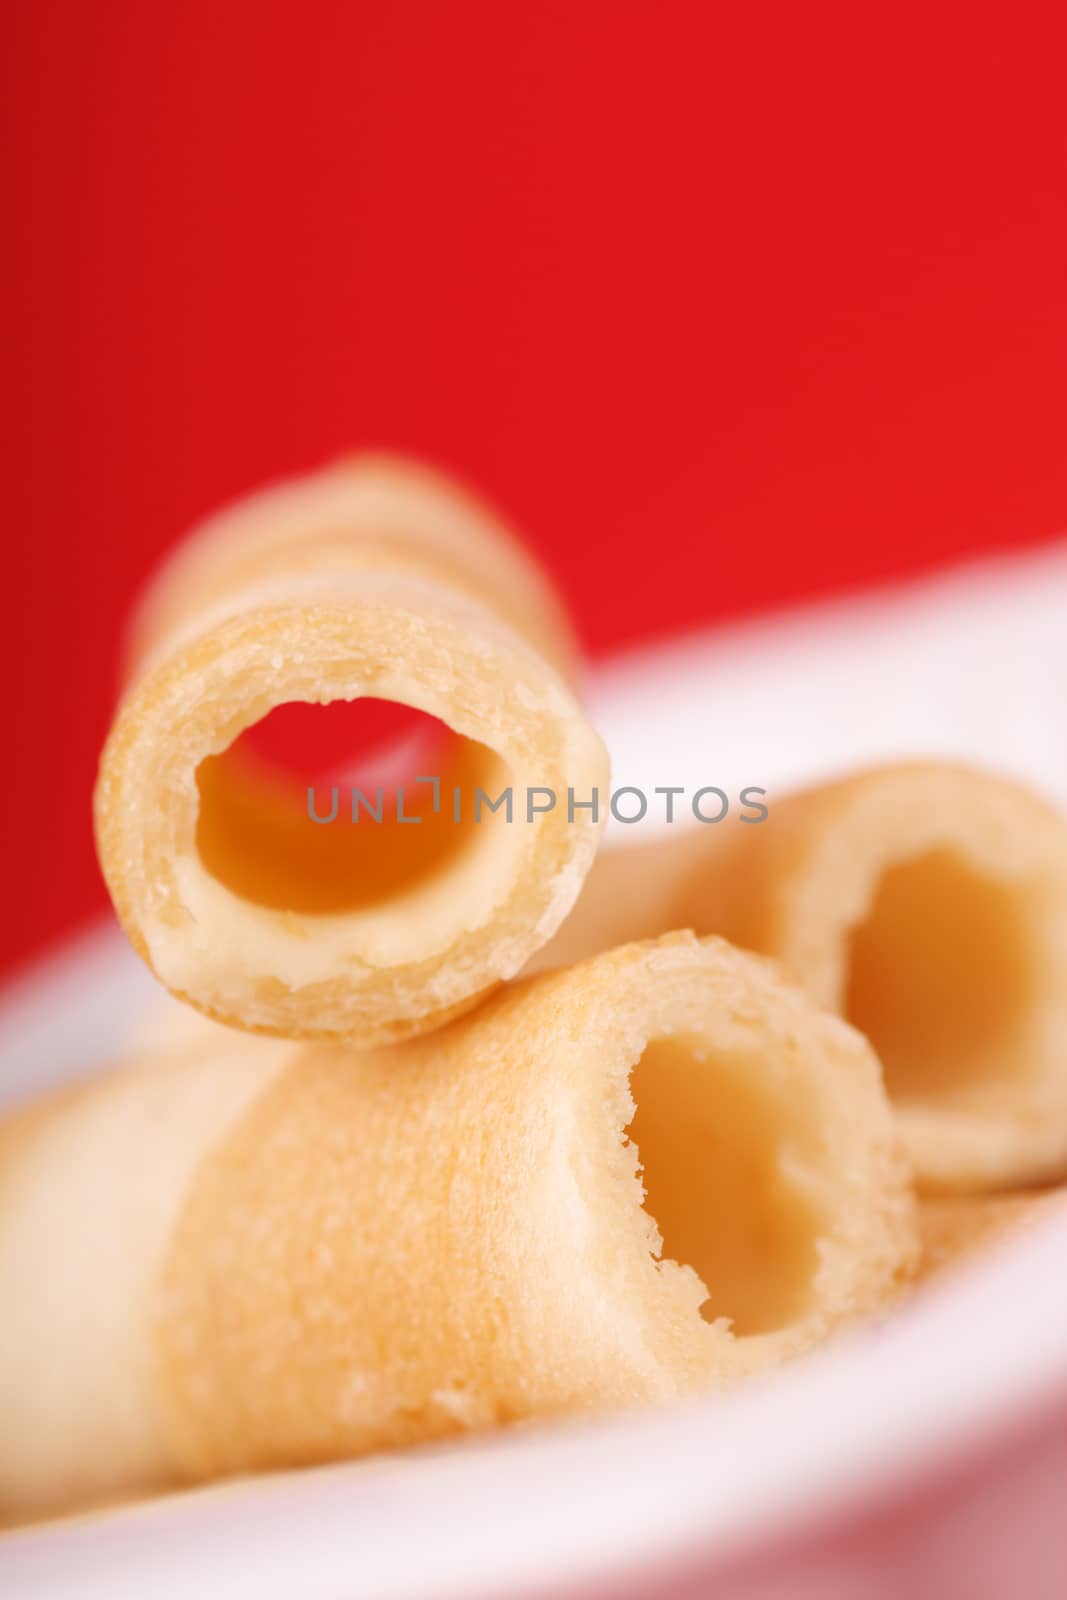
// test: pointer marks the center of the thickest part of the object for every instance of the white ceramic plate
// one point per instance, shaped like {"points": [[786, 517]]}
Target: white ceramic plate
{"points": [[973, 665]]}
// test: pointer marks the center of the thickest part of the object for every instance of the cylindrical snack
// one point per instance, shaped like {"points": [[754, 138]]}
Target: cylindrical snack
{"points": [[347, 915], [651, 1173], [927, 903]]}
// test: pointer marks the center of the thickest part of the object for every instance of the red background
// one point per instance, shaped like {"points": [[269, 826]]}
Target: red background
{"points": [[725, 305]]}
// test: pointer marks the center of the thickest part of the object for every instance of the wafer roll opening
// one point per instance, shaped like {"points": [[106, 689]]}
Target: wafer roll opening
{"points": [[716, 1140], [356, 838], [941, 976]]}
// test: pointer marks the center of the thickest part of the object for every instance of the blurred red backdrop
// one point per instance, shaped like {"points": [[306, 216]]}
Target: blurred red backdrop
{"points": [[725, 305]]}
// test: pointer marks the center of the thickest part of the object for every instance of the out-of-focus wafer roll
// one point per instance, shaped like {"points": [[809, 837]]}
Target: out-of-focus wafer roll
{"points": [[649, 1174], [927, 903], [371, 511], [355, 914]]}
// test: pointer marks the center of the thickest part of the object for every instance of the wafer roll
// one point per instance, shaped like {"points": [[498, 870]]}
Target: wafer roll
{"points": [[927, 903], [650, 1174], [372, 578]]}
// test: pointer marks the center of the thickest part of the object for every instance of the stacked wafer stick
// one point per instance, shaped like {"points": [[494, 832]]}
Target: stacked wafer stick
{"points": [[454, 1159]]}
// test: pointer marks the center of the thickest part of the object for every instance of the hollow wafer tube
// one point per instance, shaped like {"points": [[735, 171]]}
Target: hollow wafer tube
{"points": [[650, 1174], [319, 916], [925, 902]]}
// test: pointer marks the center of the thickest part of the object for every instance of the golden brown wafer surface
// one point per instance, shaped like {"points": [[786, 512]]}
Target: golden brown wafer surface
{"points": [[650, 1174]]}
